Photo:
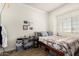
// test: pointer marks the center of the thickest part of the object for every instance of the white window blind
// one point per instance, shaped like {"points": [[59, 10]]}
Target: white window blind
{"points": [[75, 24], [67, 24]]}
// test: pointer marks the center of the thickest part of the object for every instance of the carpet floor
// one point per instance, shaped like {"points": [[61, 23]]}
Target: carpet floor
{"points": [[29, 52]]}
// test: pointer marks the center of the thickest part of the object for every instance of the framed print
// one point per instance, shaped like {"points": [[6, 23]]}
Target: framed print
{"points": [[25, 27], [27, 23], [31, 28]]}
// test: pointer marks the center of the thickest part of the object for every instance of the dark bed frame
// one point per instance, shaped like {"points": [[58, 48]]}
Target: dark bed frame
{"points": [[48, 48]]}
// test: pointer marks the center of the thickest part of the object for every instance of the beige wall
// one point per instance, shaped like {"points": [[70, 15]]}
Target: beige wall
{"points": [[1, 5], [68, 8], [13, 16]]}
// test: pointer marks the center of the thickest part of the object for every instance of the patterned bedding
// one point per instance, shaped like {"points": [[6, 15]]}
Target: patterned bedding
{"points": [[68, 45]]}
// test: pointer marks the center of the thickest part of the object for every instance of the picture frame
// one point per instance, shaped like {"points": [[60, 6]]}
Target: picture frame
{"points": [[25, 27], [31, 28], [27, 23]]}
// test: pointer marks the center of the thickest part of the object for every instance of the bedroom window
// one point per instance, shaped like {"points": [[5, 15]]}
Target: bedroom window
{"points": [[68, 22], [66, 25], [75, 24]]}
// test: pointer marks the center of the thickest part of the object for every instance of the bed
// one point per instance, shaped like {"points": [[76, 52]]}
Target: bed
{"points": [[61, 45]]}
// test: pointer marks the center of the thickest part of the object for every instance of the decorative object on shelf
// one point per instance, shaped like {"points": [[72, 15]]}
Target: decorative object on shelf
{"points": [[25, 27]]}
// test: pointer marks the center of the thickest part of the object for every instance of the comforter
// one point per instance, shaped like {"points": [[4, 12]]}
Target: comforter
{"points": [[68, 45]]}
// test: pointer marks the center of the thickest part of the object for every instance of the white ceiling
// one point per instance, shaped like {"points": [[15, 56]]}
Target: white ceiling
{"points": [[46, 6]]}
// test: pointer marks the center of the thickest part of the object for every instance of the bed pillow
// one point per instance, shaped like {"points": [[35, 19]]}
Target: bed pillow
{"points": [[50, 33], [44, 33]]}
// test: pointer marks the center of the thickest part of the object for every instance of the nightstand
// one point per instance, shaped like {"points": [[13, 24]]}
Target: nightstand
{"points": [[24, 43]]}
